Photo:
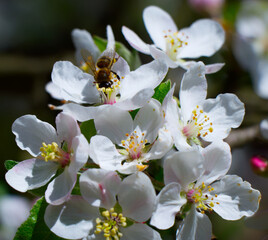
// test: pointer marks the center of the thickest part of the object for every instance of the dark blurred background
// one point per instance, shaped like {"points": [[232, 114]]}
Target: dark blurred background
{"points": [[34, 34]]}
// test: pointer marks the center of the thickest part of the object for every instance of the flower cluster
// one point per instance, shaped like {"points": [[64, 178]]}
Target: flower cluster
{"points": [[136, 124]]}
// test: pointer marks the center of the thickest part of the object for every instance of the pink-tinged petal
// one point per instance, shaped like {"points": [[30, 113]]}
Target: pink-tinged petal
{"points": [[148, 75], [54, 90], [196, 226], [205, 37], [59, 190], [217, 161], [67, 128], [193, 89], [183, 168], [116, 126], [31, 132], [82, 40], [134, 40], [81, 113], [30, 174], [99, 187], [139, 231], [226, 111], [136, 101], [168, 205], [162, 145], [110, 38], [211, 68], [158, 24], [160, 54], [75, 85], [236, 198], [150, 119], [103, 152], [74, 219], [137, 197]]}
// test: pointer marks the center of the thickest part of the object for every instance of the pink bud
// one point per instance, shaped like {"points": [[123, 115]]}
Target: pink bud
{"points": [[210, 6], [259, 165]]}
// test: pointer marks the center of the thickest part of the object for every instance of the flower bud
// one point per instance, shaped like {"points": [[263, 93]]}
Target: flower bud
{"points": [[259, 165], [210, 6]]}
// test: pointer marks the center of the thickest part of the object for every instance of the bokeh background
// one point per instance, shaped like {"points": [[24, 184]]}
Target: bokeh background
{"points": [[34, 34]]}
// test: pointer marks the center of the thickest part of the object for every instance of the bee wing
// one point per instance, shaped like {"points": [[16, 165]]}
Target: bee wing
{"points": [[89, 61]]}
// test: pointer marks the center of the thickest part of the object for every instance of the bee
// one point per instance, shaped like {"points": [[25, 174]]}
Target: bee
{"points": [[102, 69]]}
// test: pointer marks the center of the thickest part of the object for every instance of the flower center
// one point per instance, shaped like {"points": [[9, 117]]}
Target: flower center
{"points": [[174, 42], [52, 152], [110, 224], [109, 94], [198, 125], [202, 200]]}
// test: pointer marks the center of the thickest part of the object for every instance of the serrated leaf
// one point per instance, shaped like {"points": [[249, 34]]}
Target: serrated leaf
{"points": [[34, 227], [161, 91], [88, 129], [9, 164], [132, 57]]}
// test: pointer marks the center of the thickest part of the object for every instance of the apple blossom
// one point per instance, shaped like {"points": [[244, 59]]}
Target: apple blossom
{"points": [[138, 140], [203, 38], [81, 218], [65, 149], [198, 117], [198, 184]]}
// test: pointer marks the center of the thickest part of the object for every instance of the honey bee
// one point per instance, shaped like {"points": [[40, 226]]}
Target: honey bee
{"points": [[102, 69]]}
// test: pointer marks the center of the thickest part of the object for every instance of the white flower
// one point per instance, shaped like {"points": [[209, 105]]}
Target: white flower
{"points": [[65, 149], [200, 183], [209, 119], [250, 43], [203, 38], [81, 218], [138, 140]]}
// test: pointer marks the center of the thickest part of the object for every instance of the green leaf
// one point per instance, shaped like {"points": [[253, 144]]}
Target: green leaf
{"points": [[161, 91], [34, 227], [133, 113], [88, 129], [132, 57], [9, 164]]}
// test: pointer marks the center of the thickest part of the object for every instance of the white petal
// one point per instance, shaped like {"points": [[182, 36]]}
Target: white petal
{"points": [[211, 68], [59, 190], [168, 205], [225, 112], [54, 90], [121, 68], [30, 174], [146, 76], [205, 38], [136, 101], [261, 78], [160, 54], [116, 125], [193, 89], [103, 152], [82, 40], [137, 197], [67, 128], [150, 119], [183, 168], [162, 145], [236, 198], [264, 128], [158, 23], [134, 40], [74, 219], [99, 187], [139, 231], [196, 226], [31, 132], [217, 161], [110, 38], [75, 85]]}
